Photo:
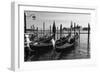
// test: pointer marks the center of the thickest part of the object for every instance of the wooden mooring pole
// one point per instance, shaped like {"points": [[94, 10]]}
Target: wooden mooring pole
{"points": [[57, 32], [71, 27], [25, 22], [60, 30], [37, 33], [43, 28], [88, 42], [50, 30], [74, 28], [74, 39], [79, 38]]}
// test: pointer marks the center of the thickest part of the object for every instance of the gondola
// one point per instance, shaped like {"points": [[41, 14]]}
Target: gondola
{"points": [[62, 40], [46, 40], [41, 48], [67, 44], [38, 47]]}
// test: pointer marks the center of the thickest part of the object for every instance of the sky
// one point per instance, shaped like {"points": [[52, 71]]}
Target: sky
{"points": [[48, 18]]}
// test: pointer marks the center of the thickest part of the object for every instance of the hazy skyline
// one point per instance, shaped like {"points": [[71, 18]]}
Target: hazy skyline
{"points": [[59, 18]]}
